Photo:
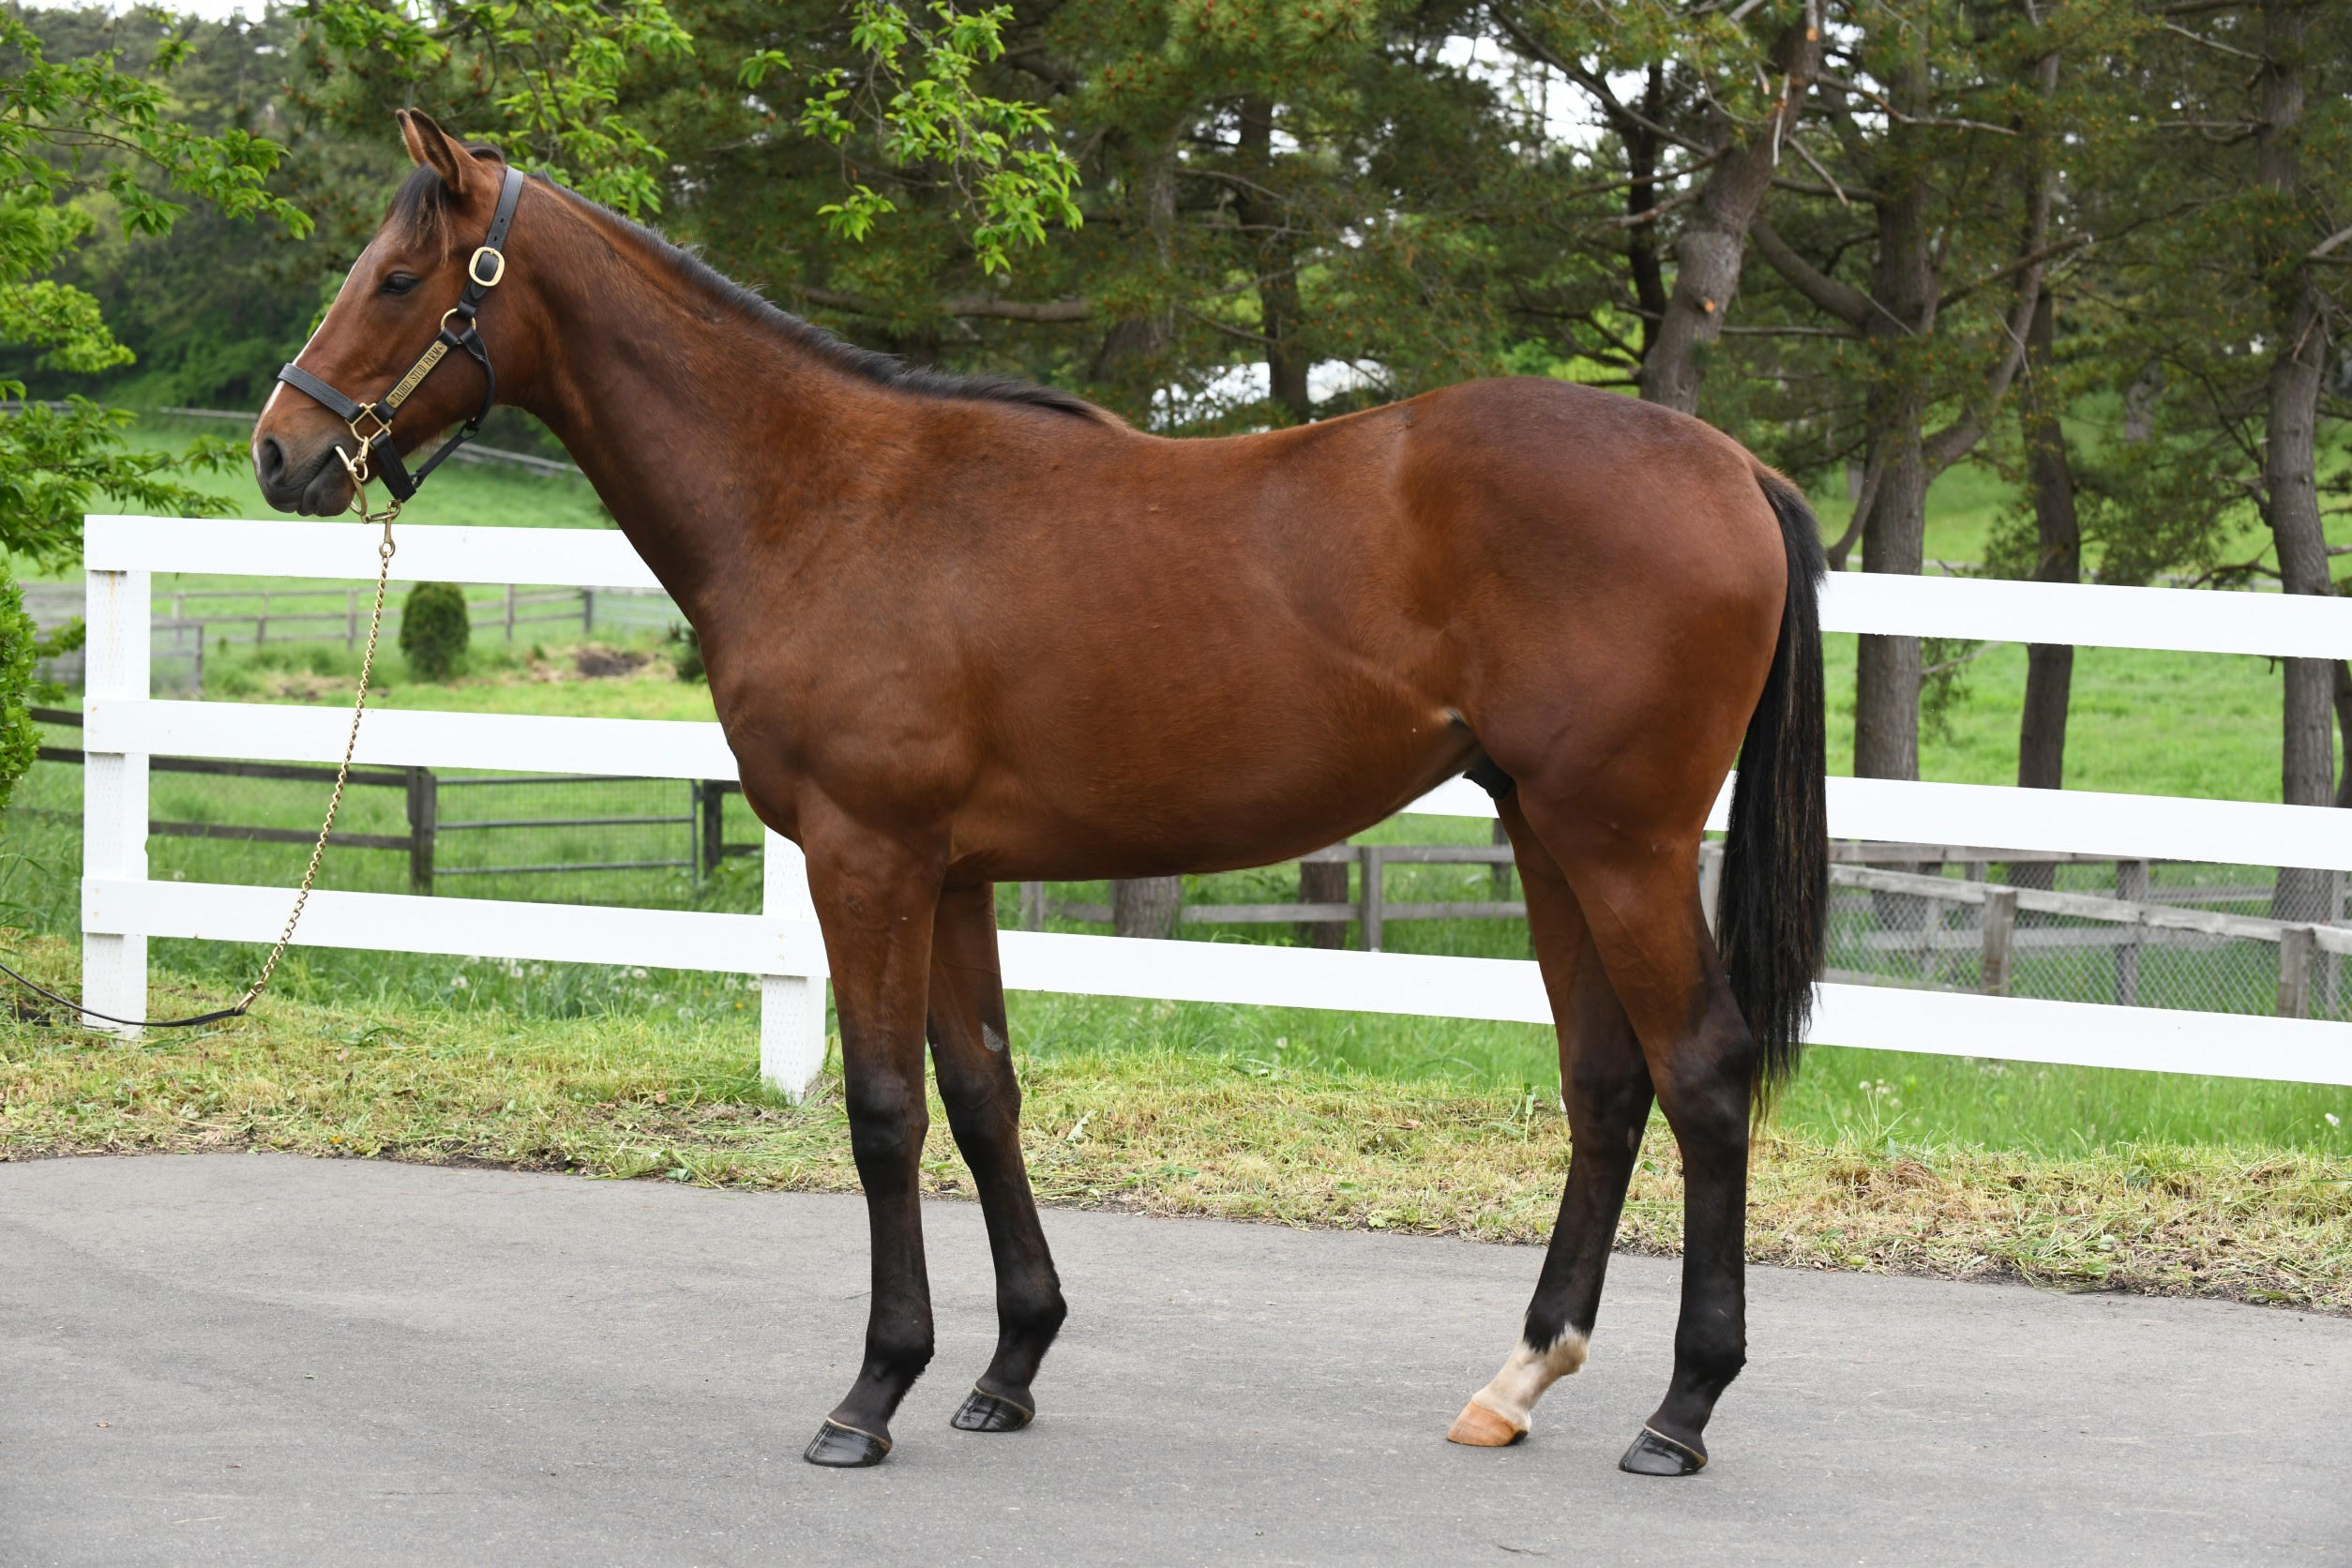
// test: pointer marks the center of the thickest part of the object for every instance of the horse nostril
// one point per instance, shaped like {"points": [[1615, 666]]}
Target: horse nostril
{"points": [[269, 459]]}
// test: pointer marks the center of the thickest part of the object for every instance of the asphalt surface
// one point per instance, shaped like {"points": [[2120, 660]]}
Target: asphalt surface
{"points": [[248, 1359]]}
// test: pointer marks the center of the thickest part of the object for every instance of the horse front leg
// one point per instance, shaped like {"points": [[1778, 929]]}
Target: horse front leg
{"points": [[971, 1050], [874, 900]]}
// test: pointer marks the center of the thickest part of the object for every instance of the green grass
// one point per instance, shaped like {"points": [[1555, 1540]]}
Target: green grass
{"points": [[1150, 1107]]}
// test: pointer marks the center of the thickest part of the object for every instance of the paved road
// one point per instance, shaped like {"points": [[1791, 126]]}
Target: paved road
{"points": [[251, 1359]]}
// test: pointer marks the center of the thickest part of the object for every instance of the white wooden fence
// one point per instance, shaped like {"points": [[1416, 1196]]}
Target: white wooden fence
{"points": [[122, 908]]}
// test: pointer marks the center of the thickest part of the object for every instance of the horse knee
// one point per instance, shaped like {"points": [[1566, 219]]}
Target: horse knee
{"points": [[888, 1122]]}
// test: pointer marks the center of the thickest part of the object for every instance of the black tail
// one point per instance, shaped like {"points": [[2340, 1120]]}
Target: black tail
{"points": [[1775, 896]]}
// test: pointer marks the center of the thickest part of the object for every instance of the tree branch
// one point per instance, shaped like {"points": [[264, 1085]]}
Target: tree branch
{"points": [[1841, 300]]}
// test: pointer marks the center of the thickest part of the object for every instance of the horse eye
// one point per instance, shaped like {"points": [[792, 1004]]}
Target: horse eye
{"points": [[400, 283]]}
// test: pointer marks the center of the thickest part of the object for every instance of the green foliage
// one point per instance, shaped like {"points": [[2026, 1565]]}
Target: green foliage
{"points": [[1008, 176], [77, 133], [685, 655], [435, 630], [551, 73], [20, 644]]}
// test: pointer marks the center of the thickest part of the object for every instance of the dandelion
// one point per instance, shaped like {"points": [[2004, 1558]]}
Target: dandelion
{"points": [[514, 972], [458, 983], [2334, 1120]]}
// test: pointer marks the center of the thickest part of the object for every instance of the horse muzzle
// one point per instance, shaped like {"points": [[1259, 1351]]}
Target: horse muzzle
{"points": [[315, 484]]}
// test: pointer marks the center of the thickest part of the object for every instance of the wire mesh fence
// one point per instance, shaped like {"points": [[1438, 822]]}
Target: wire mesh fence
{"points": [[2132, 933]]}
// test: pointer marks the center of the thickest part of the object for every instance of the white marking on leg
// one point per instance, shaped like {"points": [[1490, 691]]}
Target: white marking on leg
{"points": [[1524, 1376]]}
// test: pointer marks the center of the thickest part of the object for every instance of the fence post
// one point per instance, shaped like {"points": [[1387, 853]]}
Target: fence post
{"points": [[424, 814], [1032, 906], [588, 611], [351, 619], [711, 796], [510, 614], [2130, 885], [1368, 899], [1323, 881], [792, 1006], [2000, 924], [1502, 867], [115, 793], [2297, 946]]}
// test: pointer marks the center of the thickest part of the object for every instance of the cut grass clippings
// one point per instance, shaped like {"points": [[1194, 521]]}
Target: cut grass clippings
{"points": [[622, 1096]]}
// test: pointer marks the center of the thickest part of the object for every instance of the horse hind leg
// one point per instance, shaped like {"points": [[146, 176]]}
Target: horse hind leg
{"points": [[1605, 1083], [982, 1099], [1640, 893]]}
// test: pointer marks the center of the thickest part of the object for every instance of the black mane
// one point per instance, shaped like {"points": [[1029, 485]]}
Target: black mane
{"points": [[420, 204]]}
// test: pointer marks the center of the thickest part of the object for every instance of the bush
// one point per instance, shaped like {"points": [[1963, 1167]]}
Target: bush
{"points": [[686, 654], [434, 630]]}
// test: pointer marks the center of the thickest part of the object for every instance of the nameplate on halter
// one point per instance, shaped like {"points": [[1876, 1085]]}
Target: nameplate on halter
{"points": [[422, 369]]}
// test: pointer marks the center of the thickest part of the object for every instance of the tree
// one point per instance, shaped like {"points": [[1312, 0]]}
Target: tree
{"points": [[1941, 118], [1727, 99], [73, 133]]}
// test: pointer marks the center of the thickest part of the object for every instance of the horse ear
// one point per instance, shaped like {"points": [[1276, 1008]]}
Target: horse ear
{"points": [[429, 145]]}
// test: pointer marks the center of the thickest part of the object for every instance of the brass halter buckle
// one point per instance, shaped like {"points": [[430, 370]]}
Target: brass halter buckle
{"points": [[498, 267], [368, 439]]}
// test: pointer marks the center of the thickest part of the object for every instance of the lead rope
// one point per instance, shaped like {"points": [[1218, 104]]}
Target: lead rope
{"points": [[358, 470], [358, 708]]}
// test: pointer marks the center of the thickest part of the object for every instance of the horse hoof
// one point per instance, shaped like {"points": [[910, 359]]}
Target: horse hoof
{"points": [[839, 1447], [984, 1412], [1479, 1427], [1653, 1455]]}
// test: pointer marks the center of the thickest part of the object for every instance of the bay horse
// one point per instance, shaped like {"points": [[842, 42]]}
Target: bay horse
{"points": [[962, 631]]}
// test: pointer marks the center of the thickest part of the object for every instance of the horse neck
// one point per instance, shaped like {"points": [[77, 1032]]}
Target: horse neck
{"points": [[684, 417]]}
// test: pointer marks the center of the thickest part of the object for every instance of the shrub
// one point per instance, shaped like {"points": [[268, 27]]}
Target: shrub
{"points": [[686, 653], [434, 630]]}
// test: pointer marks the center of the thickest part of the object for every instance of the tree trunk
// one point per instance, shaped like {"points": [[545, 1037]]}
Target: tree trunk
{"points": [[2049, 665], [1146, 906], [1277, 250], [1323, 882], [1135, 343], [1643, 264], [2343, 728], [2290, 494], [1709, 251], [1895, 538]]}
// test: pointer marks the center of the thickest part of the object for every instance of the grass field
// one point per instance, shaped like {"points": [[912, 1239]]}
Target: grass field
{"points": [[1151, 1108]]}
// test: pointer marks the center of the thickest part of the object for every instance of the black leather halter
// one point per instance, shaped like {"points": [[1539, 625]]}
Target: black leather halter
{"points": [[377, 454]]}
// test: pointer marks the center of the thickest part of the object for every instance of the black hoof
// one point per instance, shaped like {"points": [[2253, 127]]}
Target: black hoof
{"points": [[837, 1447], [1652, 1454], [985, 1412]]}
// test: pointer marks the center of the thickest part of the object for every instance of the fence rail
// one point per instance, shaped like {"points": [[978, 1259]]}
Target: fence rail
{"points": [[706, 844], [122, 908]]}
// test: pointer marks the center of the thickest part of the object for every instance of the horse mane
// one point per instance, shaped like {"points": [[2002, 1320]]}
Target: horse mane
{"points": [[420, 208], [870, 365]]}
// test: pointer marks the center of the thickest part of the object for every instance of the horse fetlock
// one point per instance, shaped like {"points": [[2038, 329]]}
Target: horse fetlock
{"points": [[1501, 1412]]}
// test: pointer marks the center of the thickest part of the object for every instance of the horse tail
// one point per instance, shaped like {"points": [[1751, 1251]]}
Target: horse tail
{"points": [[1774, 908]]}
